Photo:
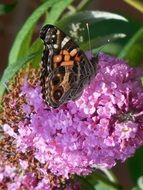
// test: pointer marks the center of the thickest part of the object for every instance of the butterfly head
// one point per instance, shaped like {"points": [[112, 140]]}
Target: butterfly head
{"points": [[48, 34]]}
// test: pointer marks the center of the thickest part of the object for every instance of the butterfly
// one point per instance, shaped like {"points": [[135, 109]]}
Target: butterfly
{"points": [[65, 69]]}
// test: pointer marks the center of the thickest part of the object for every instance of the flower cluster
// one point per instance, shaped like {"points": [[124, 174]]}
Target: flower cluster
{"points": [[104, 125]]}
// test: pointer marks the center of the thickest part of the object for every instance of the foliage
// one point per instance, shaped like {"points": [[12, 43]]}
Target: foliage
{"points": [[6, 8], [126, 39]]}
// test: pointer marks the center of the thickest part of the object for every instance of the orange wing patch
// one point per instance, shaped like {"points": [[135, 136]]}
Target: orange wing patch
{"points": [[57, 58], [66, 58]]}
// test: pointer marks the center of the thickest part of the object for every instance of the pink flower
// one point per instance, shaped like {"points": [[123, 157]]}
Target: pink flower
{"points": [[104, 125]]}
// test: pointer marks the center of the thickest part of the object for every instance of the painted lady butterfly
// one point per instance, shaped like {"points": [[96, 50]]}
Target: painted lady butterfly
{"points": [[65, 68]]}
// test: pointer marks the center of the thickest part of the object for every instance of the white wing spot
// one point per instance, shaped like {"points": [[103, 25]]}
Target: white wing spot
{"points": [[65, 40], [55, 46]]}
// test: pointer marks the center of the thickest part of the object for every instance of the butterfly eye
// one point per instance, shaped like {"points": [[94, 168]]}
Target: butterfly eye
{"points": [[56, 80], [53, 36], [57, 94]]}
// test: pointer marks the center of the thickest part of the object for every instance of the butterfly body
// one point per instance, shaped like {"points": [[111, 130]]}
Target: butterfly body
{"points": [[65, 68]]}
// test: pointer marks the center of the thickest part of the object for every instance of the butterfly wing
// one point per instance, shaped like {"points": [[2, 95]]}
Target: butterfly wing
{"points": [[65, 68]]}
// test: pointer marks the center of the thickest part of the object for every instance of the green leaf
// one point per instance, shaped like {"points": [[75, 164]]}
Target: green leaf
{"points": [[89, 17], [111, 48], [102, 186], [140, 183], [52, 17], [85, 185], [135, 165], [36, 46], [99, 180], [136, 188], [105, 40], [26, 30], [56, 11], [133, 51], [25, 45], [11, 70], [7, 8], [102, 26]]}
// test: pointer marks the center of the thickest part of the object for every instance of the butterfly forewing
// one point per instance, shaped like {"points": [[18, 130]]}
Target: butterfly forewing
{"points": [[65, 68]]}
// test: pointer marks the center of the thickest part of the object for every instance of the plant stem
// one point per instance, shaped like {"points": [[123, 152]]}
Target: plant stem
{"points": [[110, 175], [136, 4], [83, 4], [72, 9], [109, 179]]}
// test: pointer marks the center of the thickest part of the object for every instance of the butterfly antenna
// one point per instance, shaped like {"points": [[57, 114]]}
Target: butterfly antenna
{"points": [[102, 47], [89, 39]]}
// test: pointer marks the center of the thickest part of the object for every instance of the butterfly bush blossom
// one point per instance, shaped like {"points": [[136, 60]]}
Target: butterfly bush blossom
{"points": [[104, 125]]}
